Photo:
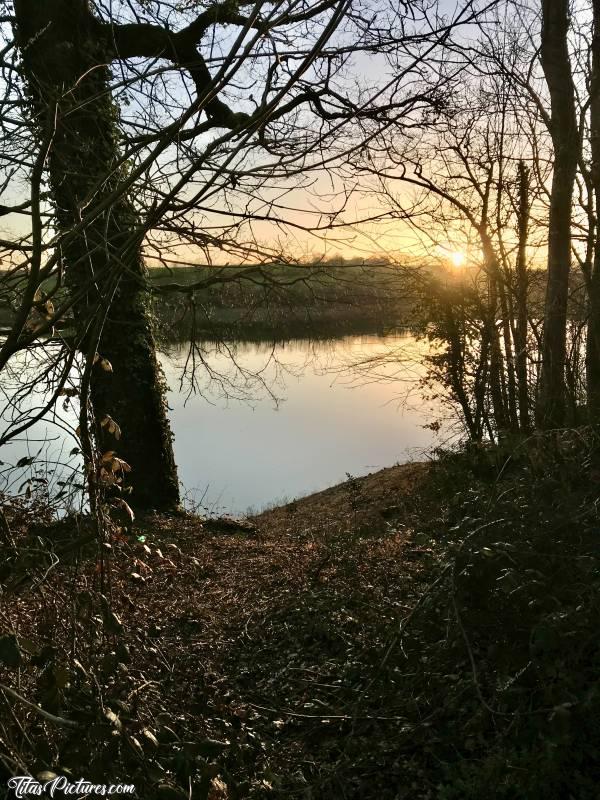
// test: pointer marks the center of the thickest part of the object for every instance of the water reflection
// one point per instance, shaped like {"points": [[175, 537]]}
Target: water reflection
{"points": [[254, 424], [40, 459], [272, 422]]}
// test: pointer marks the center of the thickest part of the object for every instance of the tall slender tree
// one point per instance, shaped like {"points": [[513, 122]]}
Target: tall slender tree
{"points": [[557, 67]]}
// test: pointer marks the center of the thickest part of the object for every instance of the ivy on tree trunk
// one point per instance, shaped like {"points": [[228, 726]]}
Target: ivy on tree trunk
{"points": [[69, 83]]}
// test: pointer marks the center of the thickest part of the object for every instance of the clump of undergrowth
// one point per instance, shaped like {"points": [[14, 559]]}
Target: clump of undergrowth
{"points": [[521, 545], [469, 671], [507, 638]]}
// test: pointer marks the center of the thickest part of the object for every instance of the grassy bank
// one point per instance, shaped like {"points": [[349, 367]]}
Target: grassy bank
{"points": [[428, 631]]}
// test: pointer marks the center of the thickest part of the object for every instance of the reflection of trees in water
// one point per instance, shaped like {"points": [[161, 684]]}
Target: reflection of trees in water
{"points": [[399, 360], [218, 371], [179, 320], [250, 370], [41, 458]]}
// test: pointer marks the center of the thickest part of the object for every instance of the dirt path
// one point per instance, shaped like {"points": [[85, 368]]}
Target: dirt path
{"points": [[260, 642]]}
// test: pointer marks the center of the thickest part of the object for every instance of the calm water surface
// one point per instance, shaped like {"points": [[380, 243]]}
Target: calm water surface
{"points": [[269, 423], [257, 424]]}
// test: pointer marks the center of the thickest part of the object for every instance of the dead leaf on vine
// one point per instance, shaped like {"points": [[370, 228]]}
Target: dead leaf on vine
{"points": [[124, 507], [103, 362], [111, 426], [107, 478]]}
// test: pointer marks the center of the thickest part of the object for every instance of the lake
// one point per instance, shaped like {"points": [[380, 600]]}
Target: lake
{"points": [[257, 424], [266, 423]]}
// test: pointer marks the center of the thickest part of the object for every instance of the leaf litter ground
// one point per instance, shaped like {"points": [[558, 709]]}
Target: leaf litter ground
{"points": [[412, 634]]}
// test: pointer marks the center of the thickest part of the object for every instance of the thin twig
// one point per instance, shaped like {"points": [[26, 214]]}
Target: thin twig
{"points": [[67, 723]]}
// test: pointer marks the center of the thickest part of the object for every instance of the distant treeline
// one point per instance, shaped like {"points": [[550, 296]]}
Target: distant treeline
{"points": [[282, 300], [320, 300]]}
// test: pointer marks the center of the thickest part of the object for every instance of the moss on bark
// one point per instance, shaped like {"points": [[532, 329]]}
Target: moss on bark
{"points": [[67, 76]]}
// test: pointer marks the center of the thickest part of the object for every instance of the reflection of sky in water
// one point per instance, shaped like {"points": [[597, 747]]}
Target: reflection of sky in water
{"points": [[266, 422], [48, 442], [328, 423]]}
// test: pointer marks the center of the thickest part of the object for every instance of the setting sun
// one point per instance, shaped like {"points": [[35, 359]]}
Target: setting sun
{"points": [[458, 259]]}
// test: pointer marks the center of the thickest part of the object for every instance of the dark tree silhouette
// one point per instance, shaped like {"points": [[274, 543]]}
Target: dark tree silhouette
{"points": [[557, 67]]}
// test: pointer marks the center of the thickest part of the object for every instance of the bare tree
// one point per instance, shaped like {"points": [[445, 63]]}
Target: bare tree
{"points": [[470, 185], [503, 161], [160, 130], [557, 66]]}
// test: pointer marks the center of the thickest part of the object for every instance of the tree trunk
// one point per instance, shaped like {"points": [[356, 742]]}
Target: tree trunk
{"points": [[104, 271], [498, 388], [507, 339], [521, 298], [593, 331], [496, 375], [557, 70]]}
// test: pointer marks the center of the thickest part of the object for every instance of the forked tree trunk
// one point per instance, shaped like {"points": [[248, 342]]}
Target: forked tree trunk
{"points": [[557, 70], [68, 80]]}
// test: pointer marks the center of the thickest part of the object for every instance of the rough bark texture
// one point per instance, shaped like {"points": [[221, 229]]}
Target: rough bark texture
{"points": [[64, 65], [557, 70], [593, 332]]}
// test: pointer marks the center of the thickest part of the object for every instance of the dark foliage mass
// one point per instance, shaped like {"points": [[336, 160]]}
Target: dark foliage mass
{"points": [[425, 632]]}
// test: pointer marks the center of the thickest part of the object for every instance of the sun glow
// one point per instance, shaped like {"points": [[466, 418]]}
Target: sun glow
{"points": [[451, 257], [458, 259]]}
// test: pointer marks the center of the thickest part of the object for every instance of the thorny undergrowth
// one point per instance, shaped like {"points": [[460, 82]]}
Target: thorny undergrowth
{"points": [[425, 632]]}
